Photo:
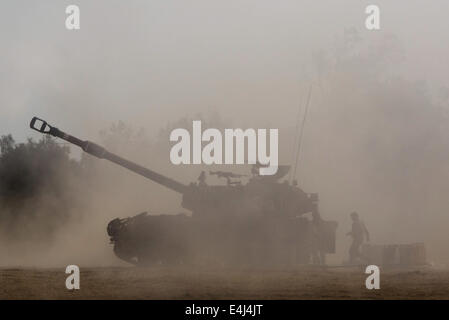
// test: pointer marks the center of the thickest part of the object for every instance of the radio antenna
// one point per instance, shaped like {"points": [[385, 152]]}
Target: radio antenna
{"points": [[301, 133], [295, 142]]}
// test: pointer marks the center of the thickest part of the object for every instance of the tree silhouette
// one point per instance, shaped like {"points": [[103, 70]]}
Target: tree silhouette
{"points": [[38, 185]]}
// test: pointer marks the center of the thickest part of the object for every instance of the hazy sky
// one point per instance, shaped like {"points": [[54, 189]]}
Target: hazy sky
{"points": [[147, 62]]}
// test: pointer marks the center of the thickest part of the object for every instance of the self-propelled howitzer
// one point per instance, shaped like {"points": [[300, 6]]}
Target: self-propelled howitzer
{"points": [[258, 222]]}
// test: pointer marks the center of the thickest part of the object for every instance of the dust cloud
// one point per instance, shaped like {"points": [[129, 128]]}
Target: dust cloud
{"points": [[374, 137]]}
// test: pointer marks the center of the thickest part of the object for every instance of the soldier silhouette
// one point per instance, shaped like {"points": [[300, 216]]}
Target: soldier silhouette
{"points": [[358, 233]]}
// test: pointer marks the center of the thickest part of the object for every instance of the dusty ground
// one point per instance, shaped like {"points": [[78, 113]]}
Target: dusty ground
{"points": [[190, 283]]}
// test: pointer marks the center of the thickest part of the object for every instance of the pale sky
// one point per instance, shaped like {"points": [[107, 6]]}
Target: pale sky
{"points": [[147, 62]]}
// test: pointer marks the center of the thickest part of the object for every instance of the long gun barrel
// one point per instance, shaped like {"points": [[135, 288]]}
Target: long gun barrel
{"points": [[98, 151]]}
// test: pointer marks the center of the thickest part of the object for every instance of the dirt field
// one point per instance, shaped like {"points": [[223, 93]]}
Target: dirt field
{"points": [[189, 283]]}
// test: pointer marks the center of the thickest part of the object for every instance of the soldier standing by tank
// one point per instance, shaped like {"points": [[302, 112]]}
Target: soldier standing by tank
{"points": [[318, 256], [358, 233]]}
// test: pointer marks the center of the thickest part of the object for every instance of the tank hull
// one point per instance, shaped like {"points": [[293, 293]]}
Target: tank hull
{"points": [[146, 240]]}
